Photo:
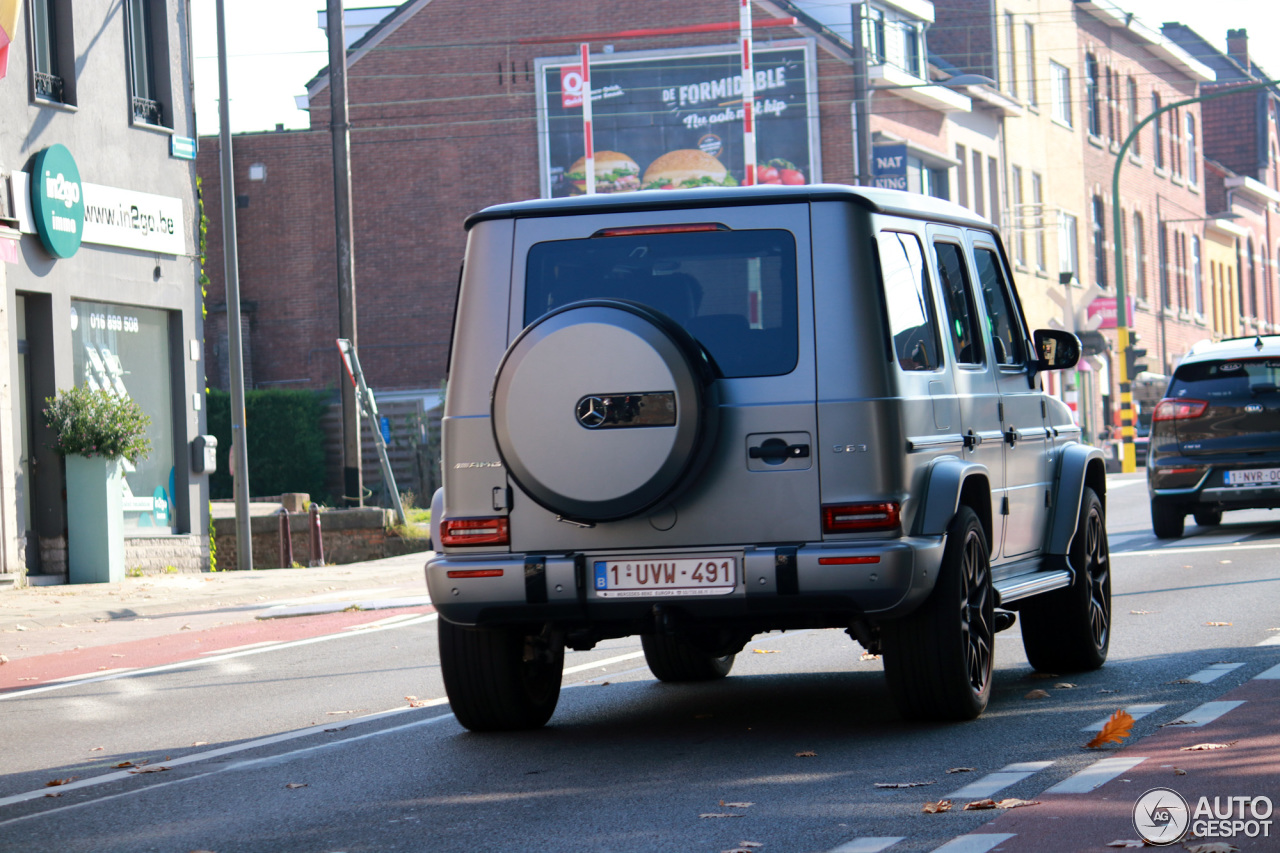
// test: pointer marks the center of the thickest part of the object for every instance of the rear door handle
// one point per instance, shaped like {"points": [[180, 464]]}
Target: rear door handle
{"points": [[777, 450]]}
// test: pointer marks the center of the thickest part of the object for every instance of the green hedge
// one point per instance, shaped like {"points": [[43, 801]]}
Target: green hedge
{"points": [[286, 443]]}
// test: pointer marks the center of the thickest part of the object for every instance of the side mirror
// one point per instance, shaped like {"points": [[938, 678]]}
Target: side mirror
{"points": [[1058, 350]]}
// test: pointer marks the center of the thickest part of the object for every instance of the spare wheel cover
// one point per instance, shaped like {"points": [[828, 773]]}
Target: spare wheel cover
{"points": [[600, 409]]}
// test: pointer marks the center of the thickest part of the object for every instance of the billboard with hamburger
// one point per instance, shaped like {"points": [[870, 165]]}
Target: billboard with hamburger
{"points": [[673, 119]]}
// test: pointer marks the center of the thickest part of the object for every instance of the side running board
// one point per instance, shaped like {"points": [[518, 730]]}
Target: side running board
{"points": [[1025, 586]]}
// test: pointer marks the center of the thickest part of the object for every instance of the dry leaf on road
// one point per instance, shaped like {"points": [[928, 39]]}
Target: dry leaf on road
{"points": [[808, 753], [4, 659], [1140, 612], [292, 785], [1174, 723], [1014, 803], [1213, 847], [1177, 771], [750, 844], [719, 814], [868, 656], [1063, 685], [902, 784], [736, 805], [1218, 624], [937, 808], [1182, 681], [53, 783], [415, 702], [97, 749], [1202, 747], [1116, 729], [1037, 694], [159, 769], [979, 805], [765, 651], [962, 770]]}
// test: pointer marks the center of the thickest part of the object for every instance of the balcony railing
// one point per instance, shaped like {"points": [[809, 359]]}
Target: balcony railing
{"points": [[147, 110], [49, 86]]}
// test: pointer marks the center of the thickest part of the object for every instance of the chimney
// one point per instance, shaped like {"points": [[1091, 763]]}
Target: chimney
{"points": [[1238, 47]]}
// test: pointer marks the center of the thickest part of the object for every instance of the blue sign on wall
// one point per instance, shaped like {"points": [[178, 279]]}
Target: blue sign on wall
{"points": [[889, 167], [182, 147]]}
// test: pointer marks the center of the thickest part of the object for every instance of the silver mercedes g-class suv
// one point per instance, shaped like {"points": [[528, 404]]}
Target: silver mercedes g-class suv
{"points": [[698, 416]]}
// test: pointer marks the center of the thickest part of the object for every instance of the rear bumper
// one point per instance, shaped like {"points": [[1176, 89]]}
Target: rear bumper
{"points": [[1207, 485], [774, 583]]}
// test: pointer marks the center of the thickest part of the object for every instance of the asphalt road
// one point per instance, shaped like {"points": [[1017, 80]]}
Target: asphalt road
{"points": [[307, 742]]}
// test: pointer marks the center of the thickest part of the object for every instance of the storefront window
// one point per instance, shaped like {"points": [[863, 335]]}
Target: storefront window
{"points": [[125, 351]]}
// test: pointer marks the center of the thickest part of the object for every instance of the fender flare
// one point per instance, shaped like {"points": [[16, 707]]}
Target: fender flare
{"points": [[1078, 465], [946, 481]]}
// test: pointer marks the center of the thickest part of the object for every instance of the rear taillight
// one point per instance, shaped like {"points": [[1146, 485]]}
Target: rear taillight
{"points": [[474, 531], [1177, 410], [855, 518]]}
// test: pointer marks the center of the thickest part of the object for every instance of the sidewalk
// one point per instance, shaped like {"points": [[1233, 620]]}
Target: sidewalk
{"points": [[146, 606]]}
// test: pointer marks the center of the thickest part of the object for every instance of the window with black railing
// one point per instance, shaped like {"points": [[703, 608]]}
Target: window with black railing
{"points": [[147, 60], [46, 56]]}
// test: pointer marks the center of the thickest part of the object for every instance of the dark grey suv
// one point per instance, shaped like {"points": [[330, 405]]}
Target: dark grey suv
{"points": [[1215, 437], [703, 415]]}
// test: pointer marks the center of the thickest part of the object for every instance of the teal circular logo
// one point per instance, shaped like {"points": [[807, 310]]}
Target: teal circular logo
{"points": [[57, 201]]}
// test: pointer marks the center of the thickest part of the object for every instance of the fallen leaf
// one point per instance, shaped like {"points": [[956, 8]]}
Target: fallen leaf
{"points": [[962, 770], [292, 785], [1204, 747], [29, 678], [1140, 612], [1014, 803], [1063, 685], [719, 814], [157, 769], [737, 805], [1115, 730], [1213, 847], [414, 702], [340, 713], [1218, 624], [343, 729], [53, 783], [123, 764], [114, 655], [19, 627], [938, 807], [808, 753], [868, 656], [765, 651], [979, 805], [750, 844], [96, 749], [1179, 772], [1037, 694], [1127, 842], [1182, 681], [902, 784], [1174, 723], [201, 743], [1106, 690], [185, 628], [4, 659], [54, 794]]}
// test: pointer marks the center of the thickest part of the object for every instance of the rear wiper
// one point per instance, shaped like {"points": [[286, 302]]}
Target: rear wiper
{"points": [[1263, 388]]}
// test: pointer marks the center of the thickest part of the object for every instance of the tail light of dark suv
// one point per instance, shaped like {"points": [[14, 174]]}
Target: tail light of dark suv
{"points": [[474, 531], [860, 517], [1178, 410]]}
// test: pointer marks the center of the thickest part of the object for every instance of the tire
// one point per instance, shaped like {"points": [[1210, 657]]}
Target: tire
{"points": [[1167, 520], [490, 685], [1069, 630], [939, 659], [1208, 517], [676, 659]]}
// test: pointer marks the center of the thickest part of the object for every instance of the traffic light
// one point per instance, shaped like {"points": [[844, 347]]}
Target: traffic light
{"points": [[1135, 356]]}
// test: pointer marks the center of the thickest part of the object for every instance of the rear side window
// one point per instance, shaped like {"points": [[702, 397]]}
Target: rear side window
{"points": [[1006, 338], [1226, 379], [912, 321], [961, 325], [734, 291]]}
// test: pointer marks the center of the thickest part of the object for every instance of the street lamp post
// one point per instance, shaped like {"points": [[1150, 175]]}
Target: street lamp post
{"points": [[1128, 460]]}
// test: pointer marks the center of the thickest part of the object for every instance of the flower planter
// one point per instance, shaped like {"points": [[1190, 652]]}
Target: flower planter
{"points": [[95, 519]]}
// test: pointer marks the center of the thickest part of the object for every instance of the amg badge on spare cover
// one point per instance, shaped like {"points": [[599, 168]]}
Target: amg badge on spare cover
{"points": [[616, 411]]}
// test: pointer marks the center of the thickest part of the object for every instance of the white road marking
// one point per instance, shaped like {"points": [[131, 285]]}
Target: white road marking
{"points": [[1213, 672], [1161, 552], [999, 780], [1270, 641], [975, 843], [602, 663], [1271, 674], [240, 648], [390, 620], [1135, 711], [867, 845], [1095, 775], [102, 673], [94, 677], [1208, 712]]}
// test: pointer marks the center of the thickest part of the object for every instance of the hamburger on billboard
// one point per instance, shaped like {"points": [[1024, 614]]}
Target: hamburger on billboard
{"points": [[673, 119]]}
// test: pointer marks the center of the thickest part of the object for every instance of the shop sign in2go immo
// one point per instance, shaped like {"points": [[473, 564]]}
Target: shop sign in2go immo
{"points": [[57, 201]]}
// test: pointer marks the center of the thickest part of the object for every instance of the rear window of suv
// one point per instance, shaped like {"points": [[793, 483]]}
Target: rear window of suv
{"points": [[1216, 380], [733, 291]]}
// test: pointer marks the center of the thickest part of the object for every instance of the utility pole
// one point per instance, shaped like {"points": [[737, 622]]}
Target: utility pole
{"points": [[352, 479], [861, 96], [231, 277]]}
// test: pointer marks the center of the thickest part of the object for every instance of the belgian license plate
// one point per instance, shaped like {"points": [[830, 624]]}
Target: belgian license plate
{"points": [[641, 577], [1253, 477]]}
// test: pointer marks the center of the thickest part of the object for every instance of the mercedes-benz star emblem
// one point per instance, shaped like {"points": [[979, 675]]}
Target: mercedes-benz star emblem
{"points": [[592, 411]]}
